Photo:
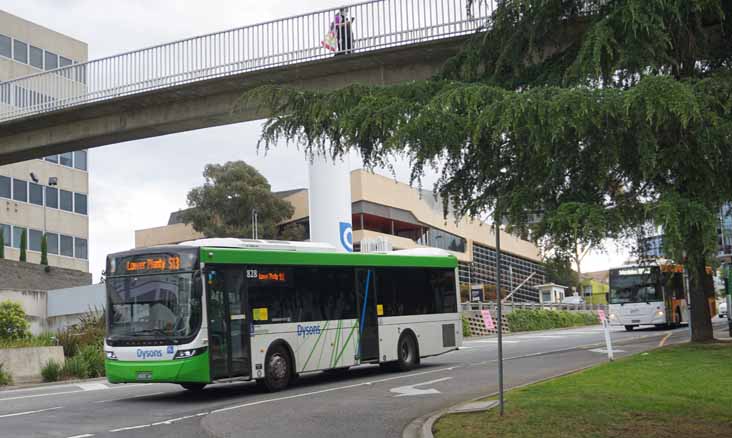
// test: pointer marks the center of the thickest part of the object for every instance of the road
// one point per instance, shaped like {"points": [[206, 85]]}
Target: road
{"points": [[367, 402]]}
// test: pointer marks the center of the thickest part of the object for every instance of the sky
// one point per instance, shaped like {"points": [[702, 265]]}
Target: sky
{"points": [[157, 173]]}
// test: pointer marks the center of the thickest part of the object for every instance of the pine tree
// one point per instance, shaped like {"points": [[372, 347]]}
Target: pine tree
{"points": [[23, 246], [44, 250], [2, 244], [607, 118]]}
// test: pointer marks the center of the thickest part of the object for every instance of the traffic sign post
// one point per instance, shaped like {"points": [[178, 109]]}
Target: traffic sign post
{"points": [[606, 327]]}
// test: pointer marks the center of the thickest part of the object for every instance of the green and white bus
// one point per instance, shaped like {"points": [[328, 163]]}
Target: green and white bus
{"points": [[223, 310]]}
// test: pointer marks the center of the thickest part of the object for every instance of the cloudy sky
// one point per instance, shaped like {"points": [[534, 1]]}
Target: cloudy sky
{"points": [[167, 167]]}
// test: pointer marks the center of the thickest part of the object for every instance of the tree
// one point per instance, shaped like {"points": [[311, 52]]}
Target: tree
{"points": [[12, 321], [24, 246], [621, 109], [293, 233], [558, 270], [223, 206], [44, 250], [2, 245]]}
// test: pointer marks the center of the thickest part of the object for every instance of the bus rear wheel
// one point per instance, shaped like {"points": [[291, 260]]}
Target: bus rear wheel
{"points": [[407, 352], [193, 387], [277, 369]]}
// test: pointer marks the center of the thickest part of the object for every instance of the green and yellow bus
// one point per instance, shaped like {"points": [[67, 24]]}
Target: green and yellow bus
{"points": [[224, 310]]}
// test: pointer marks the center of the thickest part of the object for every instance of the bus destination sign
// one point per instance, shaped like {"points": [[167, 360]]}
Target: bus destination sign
{"points": [[159, 263]]}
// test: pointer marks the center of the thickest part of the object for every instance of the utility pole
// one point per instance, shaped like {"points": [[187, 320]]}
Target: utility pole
{"points": [[499, 312]]}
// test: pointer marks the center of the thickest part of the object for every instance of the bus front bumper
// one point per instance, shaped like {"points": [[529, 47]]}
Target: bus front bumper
{"points": [[191, 370]]}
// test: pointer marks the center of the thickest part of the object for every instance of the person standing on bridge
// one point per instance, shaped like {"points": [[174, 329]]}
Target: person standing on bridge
{"points": [[341, 25]]}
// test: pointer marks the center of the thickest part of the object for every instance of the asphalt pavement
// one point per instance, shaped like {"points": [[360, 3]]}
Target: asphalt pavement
{"points": [[366, 402]]}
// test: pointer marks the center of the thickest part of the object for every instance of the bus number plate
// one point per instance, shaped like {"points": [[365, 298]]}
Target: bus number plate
{"points": [[636, 321], [145, 375]]}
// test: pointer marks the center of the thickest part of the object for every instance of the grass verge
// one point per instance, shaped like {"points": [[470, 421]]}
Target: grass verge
{"points": [[675, 392]]}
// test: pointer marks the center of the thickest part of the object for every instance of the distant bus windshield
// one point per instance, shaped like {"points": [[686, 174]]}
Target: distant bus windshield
{"points": [[635, 287]]}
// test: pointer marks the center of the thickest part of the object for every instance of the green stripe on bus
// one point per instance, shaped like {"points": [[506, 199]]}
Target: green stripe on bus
{"points": [[252, 256], [317, 341], [335, 345], [345, 344]]}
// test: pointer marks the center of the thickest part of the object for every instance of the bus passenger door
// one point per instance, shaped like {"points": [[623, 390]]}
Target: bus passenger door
{"points": [[228, 327], [367, 319]]}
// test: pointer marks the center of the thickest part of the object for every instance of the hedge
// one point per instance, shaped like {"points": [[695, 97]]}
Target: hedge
{"points": [[524, 320]]}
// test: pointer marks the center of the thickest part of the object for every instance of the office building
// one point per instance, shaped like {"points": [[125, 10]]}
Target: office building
{"points": [[48, 195], [384, 210]]}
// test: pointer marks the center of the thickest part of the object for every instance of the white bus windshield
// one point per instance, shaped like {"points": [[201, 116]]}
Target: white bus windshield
{"points": [[634, 289]]}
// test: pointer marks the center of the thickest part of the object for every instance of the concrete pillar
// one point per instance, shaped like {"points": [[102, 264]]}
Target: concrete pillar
{"points": [[330, 203]]}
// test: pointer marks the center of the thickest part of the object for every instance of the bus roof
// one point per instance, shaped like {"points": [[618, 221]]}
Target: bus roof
{"points": [[420, 257]]}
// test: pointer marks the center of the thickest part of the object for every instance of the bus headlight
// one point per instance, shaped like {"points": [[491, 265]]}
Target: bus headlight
{"points": [[111, 355], [659, 313], [185, 354], [613, 317]]}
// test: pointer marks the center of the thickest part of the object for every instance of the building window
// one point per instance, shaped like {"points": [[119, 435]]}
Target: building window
{"points": [[52, 239], [67, 246], [80, 160], [80, 203], [80, 248], [20, 51], [34, 240], [52, 158], [5, 187], [66, 200], [588, 291], [5, 229], [51, 197], [36, 57], [444, 240], [64, 62], [51, 61], [20, 190], [6, 46], [67, 159], [17, 235], [36, 194]]}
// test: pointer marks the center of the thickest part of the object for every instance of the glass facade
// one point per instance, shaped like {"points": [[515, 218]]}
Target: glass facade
{"points": [[514, 270]]}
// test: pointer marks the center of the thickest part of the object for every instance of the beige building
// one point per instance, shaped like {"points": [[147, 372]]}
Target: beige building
{"points": [[46, 195], [384, 209]]}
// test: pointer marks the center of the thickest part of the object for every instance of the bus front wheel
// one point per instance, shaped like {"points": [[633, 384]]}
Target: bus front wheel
{"points": [[629, 328], [277, 369]]}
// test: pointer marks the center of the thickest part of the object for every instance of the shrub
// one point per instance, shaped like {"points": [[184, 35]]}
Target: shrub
{"points": [[51, 372], [70, 341], [42, 340], [75, 367], [93, 357], [24, 246], [521, 320], [466, 326], [12, 321], [5, 378]]}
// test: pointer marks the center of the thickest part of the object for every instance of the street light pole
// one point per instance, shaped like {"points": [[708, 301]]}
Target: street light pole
{"points": [[499, 310]]}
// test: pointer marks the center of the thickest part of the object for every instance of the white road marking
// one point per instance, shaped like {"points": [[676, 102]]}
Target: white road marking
{"points": [[92, 386], [492, 341], [86, 435], [289, 397], [50, 394], [122, 429], [29, 412], [412, 390]]}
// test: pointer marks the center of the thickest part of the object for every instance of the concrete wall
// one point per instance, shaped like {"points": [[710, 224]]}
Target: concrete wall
{"points": [[29, 276], [34, 305], [25, 364]]}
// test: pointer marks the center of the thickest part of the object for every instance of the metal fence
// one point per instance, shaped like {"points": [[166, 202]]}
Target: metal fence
{"points": [[547, 306], [362, 27]]}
